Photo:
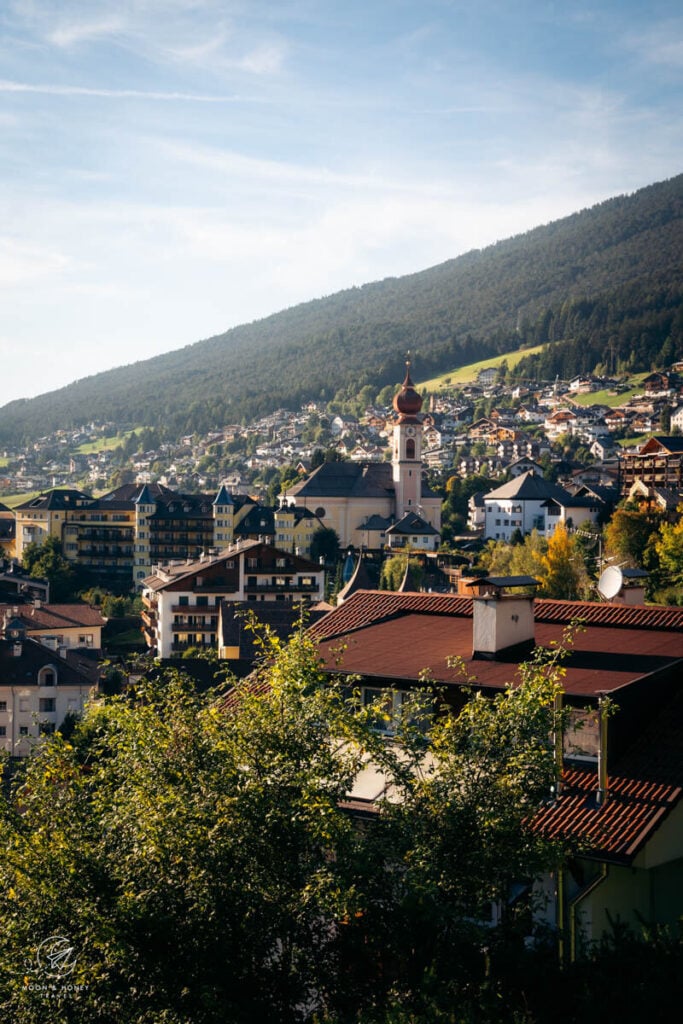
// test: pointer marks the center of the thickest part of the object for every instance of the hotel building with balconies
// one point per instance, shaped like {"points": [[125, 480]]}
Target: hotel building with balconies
{"points": [[182, 600]]}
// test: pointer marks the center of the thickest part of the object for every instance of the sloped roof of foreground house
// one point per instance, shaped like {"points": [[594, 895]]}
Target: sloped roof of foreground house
{"points": [[645, 785], [633, 653], [394, 636]]}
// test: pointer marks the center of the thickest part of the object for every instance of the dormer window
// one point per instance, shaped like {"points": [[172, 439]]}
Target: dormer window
{"points": [[47, 676]]}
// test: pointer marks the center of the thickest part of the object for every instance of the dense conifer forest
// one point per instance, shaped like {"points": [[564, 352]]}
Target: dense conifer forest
{"points": [[603, 288]]}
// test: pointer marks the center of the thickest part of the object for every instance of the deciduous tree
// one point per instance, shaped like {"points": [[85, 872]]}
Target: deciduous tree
{"points": [[45, 561], [669, 549], [197, 856], [564, 573], [628, 533]]}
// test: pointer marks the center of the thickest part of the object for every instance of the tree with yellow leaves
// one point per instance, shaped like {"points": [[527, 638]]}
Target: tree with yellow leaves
{"points": [[564, 573]]}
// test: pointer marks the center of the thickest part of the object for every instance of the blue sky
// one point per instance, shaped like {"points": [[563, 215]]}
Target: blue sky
{"points": [[172, 168]]}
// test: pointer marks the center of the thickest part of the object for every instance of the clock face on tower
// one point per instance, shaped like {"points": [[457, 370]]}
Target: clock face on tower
{"points": [[410, 431]]}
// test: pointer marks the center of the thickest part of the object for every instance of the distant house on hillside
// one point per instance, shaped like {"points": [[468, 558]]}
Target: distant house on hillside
{"points": [[487, 376]]}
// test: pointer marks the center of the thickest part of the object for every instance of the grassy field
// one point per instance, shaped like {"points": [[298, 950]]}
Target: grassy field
{"points": [[631, 442], [467, 374], [105, 443], [12, 500], [609, 398]]}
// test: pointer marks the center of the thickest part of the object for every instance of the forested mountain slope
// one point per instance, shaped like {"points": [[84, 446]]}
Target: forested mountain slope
{"points": [[605, 286]]}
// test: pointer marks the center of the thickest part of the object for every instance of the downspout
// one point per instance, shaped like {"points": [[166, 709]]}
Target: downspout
{"points": [[574, 903], [603, 781], [601, 798], [560, 914], [558, 742], [14, 721]]}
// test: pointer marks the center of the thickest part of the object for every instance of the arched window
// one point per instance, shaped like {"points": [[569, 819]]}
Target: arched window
{"points": [[410, 448], [47, 676]]}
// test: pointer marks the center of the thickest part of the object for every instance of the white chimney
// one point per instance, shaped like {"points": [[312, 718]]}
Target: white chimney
{"points": [[502, 621]]}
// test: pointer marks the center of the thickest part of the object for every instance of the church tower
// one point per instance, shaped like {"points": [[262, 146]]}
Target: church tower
{"points": [[406, 460]]}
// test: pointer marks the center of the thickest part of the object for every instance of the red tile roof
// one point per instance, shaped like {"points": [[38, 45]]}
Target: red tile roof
{"points": [[645, 786], [371, 606], [397, 636], [56, 616], [619, 616], [394, 636], [617, 830]]}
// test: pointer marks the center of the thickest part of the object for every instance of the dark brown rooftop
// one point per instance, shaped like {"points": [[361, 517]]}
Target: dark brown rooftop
{"points": [[393, 636]]}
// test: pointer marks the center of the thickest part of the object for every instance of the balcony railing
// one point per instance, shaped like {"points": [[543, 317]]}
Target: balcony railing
{"points": [[195, 627], [278, 588], [194, 609], [106, 551], [115, 534]]}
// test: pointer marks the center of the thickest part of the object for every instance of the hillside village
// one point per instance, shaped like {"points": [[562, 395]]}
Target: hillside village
{"points": [[378, 482], [437, 476], [482, 428]]}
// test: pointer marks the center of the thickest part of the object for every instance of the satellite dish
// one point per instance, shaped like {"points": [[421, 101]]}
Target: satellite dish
{"points": [[611, 582]]}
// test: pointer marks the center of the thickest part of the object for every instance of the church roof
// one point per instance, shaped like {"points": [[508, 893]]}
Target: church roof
{"points": [[346, 480], [408, 401]]}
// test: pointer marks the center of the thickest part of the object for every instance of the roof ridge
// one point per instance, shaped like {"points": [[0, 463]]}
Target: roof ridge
{"points": [[365, 606]]}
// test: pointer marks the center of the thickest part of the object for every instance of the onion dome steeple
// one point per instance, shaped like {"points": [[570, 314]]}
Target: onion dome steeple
{"points": [[408, 401]]}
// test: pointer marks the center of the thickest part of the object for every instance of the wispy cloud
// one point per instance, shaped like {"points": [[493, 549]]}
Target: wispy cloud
{"points": [[22, 263], [198, 53], [232, 167], [266, 58], [72, 33], [48, 89], [660, 45]]}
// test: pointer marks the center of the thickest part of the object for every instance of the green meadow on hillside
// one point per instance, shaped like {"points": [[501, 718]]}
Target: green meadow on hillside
{"points": [[468, 374], [106, 443], [612, 398]]}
